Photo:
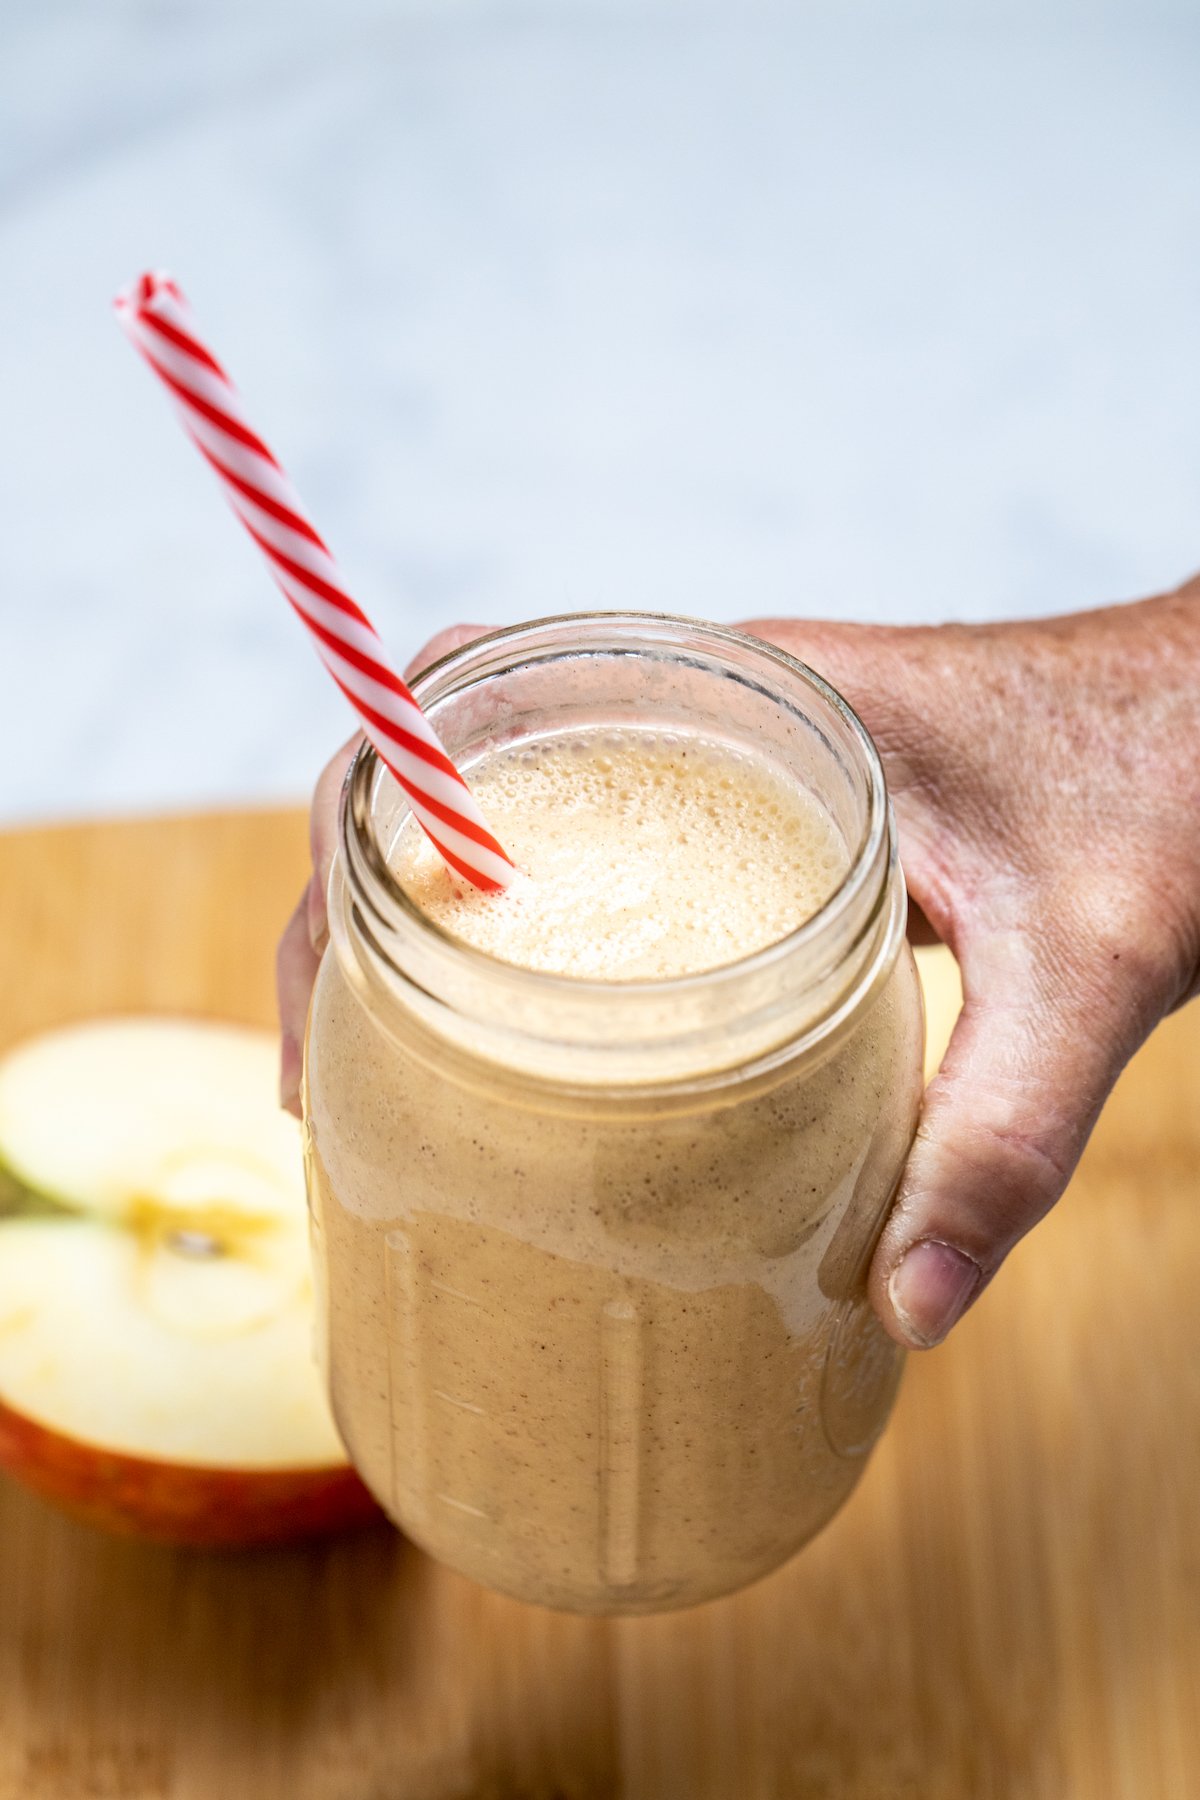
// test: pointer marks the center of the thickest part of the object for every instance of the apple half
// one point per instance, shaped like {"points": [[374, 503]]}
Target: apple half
{"points": [[156, 1303]]}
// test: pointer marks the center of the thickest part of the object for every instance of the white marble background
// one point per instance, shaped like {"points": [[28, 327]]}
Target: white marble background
{"points": [[880, 311]]}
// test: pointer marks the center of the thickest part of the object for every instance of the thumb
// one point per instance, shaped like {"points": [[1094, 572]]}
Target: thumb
{"points": [[1028, 1068]]}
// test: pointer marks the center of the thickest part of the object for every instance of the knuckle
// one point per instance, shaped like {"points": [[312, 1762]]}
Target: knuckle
{"points": [[1036, 1164], [441, 644], [1117, 923], [1123, 949], [322, 818], [334, 772], [987, 1171]]}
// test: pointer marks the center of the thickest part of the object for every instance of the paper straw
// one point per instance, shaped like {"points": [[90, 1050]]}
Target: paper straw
{"points": [[158, 321]]}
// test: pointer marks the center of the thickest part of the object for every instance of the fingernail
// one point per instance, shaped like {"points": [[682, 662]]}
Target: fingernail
{"points": [[929, 1289], [289, 1073]]}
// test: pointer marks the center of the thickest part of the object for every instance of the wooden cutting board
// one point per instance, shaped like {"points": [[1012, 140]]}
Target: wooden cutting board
{"points": [[1009, 1605]]}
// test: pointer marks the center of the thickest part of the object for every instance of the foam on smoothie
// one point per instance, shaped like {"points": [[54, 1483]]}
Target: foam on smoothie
{"points": [[644, 855]]}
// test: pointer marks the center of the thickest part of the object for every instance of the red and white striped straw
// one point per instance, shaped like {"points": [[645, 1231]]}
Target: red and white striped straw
{"points": [[158, 320]]}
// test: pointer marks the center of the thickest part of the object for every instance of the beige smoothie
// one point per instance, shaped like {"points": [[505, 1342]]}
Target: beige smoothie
{"points": [[611, 1350]]}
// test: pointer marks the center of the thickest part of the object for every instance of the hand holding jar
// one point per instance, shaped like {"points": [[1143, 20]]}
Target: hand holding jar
{"points": [[1044, 781]]}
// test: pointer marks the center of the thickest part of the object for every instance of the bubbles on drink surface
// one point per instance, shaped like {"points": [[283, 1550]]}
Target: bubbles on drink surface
{"points": [[648, 855]]}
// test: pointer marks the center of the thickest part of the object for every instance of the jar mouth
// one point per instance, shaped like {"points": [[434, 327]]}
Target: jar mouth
{"points": [[642, 632], [708, 1028]]}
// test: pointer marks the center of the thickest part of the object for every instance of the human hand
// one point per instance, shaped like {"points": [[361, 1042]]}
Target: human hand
{"points": [[1046, 781]]}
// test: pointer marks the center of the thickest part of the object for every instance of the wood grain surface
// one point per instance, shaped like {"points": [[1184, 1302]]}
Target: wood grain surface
{"points": [[1009, 1605]]}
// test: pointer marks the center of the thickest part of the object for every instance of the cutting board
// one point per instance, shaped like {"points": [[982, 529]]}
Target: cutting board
{"points": [[1009, 1605]]}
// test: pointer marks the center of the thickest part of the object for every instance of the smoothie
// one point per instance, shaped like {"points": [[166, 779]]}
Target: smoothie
{"points": [[643, 855], [611, 1350]]}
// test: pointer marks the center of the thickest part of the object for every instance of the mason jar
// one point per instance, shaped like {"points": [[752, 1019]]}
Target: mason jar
{"points": [[591, 1255]]}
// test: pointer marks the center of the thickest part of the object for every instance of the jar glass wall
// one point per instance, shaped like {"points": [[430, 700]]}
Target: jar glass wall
{"points": [[592, 1256]]}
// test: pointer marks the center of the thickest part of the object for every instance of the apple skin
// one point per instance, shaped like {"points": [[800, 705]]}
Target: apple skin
{"points": [[187, 1505]]}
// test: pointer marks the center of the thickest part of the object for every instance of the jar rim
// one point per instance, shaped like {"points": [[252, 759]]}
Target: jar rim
{"points": [[459, 667]]}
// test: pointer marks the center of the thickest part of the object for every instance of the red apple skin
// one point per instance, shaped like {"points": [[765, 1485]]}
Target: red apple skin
{"points": [[179, 1503]]}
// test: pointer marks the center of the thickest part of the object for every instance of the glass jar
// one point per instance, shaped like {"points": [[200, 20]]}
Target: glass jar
{"points": [[591, 1256]]}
